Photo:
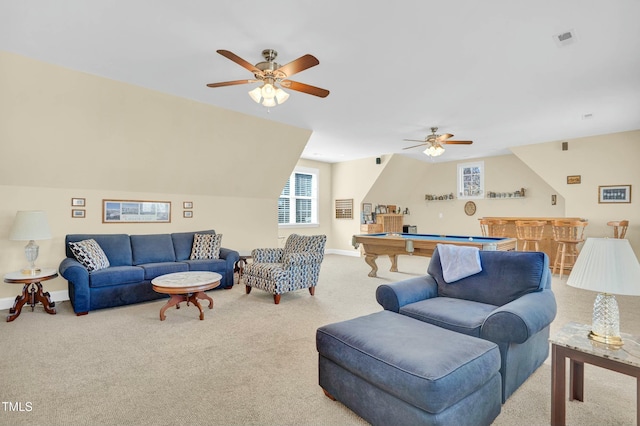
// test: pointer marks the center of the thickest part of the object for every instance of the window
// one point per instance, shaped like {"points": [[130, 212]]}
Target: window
{"points": [[298, 202], [471, 180]]}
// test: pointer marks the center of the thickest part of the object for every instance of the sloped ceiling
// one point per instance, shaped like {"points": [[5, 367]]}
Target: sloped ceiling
{"points": [[490, 72]]}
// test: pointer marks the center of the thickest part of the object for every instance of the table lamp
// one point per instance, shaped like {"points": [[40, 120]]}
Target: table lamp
{"points": [[608, 266], [30, 226]]}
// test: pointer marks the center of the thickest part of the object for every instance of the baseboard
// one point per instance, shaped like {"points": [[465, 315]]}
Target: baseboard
{"points": [[343, 252], [56, 296]]}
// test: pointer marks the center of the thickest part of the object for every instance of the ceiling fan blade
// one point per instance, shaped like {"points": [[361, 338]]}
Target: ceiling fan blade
{"points": [[415, 146], [300, 64], [238, 60], [230, 83], [444, 136], [305, 88], [458, 142], [415, 140]]}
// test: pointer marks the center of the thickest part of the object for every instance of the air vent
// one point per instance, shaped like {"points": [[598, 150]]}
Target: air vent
{"points": [[565, 38]]}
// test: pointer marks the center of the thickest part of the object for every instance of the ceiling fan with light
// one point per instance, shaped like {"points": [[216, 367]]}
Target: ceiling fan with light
{"points": [[434, 143], [273, 77]]}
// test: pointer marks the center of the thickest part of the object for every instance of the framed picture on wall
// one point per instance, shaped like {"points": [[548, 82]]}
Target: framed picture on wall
{"points": [[614, 194], [78, 202], [77, 213], [118, 211]]}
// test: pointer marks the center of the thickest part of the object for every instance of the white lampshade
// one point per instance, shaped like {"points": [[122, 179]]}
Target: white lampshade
{"points": [[30, 225], [269, 102], [256, 94], [268, 91], [281, 96], [607, 265], [434, 150]]}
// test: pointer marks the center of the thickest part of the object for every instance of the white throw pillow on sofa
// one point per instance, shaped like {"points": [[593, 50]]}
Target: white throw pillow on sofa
{"points": [[206, 246], [90, 254]]}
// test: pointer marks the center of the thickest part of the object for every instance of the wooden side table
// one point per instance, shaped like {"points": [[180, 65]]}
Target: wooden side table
{"points": [[32, 292], [572, 342], [241, 263]]}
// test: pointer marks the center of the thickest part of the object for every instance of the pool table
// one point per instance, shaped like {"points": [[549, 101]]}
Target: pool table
{"points": [[393, 244]]}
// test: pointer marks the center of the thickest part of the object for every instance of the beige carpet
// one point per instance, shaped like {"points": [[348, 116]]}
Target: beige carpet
{"points": [[249, 362]]}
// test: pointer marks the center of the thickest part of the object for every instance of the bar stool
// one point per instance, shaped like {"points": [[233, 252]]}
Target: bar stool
{"points": [[530, 232], [619, 228], [567, 234], [493, 227]]}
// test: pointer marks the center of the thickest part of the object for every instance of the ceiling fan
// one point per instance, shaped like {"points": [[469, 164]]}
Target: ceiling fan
{"points": [[274, 77], [434, 143]]}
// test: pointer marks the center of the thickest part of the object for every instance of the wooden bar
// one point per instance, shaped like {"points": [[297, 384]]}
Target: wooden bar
{"points": [[547, 244]]}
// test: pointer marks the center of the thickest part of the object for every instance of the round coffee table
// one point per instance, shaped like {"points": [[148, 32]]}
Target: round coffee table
{"points": [[186, 287]]}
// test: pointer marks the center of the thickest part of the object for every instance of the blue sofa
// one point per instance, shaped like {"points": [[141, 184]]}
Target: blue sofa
{"points": [[134, 261], [509, 302]]}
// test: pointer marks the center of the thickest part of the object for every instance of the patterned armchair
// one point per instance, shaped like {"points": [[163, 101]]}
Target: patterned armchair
{"points": [[294, 267]]}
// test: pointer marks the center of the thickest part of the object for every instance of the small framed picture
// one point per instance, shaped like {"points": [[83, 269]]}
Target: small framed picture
{"points": [[78, 202], [366, 208], [187, 214], [77, 213], [187, 205], [614, 194], [572, 180]]}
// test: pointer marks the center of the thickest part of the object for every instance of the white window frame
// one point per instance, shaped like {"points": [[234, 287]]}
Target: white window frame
{"points": [[462, 191], [315, 173]]}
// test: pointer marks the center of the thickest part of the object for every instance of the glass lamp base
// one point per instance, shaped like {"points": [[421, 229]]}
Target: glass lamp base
{"points": [[30, 271], [605, 327]]}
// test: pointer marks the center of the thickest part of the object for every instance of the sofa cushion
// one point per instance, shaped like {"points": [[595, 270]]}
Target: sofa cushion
{"points": [[152, 270], [183, 242], [462, 316], [505, 276], [116, 275], [89, 253], [424, 365], [117, 247], [206, 246], [153, 248], [212, 265]]}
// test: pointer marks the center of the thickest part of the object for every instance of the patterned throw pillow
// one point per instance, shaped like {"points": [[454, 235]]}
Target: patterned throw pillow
{"points": [[90, 254], [206, 246]]}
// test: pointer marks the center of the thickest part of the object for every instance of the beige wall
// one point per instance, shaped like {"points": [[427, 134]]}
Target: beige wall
{"points": [[67, 134], [600, 160], [541, 169]]}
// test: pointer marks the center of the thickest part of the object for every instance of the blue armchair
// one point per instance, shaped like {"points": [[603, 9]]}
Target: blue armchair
{"points": [[294, 267], [509, 302]]}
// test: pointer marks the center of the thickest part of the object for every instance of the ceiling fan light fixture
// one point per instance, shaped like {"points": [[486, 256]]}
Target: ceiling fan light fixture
{"points": [[256, 94], [434, 150], [268, 91], [271, 102], [281, 96]]}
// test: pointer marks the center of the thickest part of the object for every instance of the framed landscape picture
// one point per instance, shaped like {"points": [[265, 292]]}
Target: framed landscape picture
{"points": [[119, 211], [614, 194]]}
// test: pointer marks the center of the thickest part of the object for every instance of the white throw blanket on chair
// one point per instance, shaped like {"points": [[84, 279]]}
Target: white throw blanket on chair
{"points": [[458, 262]]}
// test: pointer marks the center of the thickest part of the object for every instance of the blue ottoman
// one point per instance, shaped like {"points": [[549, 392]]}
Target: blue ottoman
{"points": [[392, 369]]}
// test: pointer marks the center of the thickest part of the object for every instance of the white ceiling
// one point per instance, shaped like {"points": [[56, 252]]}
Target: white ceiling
{"points": [[489, 71]]}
